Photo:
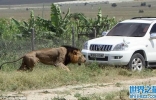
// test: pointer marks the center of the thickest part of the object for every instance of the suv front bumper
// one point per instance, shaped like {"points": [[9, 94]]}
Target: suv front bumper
{"points": [[110, 57]]}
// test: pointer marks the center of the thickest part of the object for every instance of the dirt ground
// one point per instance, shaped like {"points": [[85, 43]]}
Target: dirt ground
{"points": [[68, 92]]}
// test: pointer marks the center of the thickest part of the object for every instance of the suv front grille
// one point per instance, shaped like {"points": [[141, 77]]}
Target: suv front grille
{"points": [[98, 47]]}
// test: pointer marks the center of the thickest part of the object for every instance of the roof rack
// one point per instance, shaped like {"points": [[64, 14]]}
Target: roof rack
{"points": [[141, 17]]}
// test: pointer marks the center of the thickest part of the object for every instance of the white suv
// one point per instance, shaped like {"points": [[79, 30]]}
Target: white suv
{"points": [[131, 42]]}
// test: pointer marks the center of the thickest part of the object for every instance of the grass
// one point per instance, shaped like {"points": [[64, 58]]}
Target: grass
{"points": [[49, 77], [119, 95]]}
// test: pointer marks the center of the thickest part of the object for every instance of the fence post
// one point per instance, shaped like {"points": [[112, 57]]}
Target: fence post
{"points": [[32, 39], [43, 10], [73, 37], [94, 32]]}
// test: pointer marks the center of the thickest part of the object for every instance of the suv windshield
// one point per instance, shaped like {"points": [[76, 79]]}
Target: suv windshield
{"points": [[129, 29]]}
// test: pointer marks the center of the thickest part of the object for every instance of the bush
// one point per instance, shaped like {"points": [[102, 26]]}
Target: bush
{"points": [[149, 5], [143, 4], [141, 11], [114, 4]]}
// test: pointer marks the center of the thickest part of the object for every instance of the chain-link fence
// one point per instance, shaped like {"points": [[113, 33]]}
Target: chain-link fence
{"points": [[11, 50]]}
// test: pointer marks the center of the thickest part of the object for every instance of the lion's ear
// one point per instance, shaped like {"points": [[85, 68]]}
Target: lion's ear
{"points": [[75, 52]]}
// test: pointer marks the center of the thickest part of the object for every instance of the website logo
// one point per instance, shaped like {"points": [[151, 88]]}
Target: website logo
{"points": [[142, 92]]}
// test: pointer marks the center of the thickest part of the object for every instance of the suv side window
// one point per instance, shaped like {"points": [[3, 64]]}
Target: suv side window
{"points": [[153, 30]]}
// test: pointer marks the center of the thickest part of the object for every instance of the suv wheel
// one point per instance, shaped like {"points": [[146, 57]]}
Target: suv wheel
{"points": [[137, 62]]}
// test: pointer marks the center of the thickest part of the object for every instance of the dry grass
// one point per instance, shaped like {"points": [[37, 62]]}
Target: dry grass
{"points": [[120, 95], [48, 76]]}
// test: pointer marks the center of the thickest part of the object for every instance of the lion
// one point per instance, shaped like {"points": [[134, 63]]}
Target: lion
{"points": [[59, 57]]}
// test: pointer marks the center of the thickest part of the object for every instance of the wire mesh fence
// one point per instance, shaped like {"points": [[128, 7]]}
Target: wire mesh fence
{"points": [[11, 50]]}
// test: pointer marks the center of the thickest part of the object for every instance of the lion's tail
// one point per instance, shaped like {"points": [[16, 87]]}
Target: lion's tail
{"points": [[10, 62]]}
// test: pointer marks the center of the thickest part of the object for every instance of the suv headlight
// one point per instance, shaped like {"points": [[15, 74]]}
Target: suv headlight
{"points": [[85, 45], [120, 47]]}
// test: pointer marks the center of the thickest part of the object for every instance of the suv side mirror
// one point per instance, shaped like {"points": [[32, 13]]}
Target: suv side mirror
{"points": [[153, 35]]}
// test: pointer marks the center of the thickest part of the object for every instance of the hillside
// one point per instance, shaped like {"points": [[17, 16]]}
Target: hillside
{"points": [[14, 2]]}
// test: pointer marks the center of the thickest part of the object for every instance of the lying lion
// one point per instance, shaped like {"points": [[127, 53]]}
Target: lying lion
{"points": [[58, 57]]}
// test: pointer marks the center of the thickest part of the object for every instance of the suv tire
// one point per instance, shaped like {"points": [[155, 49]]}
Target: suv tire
{"points": [[137, 62]]}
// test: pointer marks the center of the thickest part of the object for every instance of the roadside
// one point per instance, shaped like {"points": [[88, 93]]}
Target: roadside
{"points": [[69, 91]]}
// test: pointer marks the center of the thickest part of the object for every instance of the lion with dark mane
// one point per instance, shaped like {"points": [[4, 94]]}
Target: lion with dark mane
{"points": [[59, 57]]}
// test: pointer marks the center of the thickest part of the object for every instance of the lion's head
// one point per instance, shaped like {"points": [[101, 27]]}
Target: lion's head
{"points": [[77, 57], [74, 55]]}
